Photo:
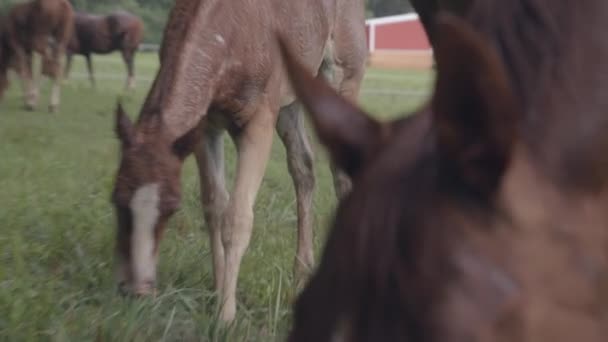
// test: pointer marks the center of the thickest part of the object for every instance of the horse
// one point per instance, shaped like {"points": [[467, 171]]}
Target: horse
{"points": [[42, 26], [119, 31], [481, 216], [221, 70]]}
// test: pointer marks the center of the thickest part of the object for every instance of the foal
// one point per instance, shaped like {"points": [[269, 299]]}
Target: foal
{"points": [[482, 217], [221, 70], [119, 31]]}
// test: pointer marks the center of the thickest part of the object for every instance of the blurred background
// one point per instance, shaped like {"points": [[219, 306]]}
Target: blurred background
{"points": [[154, 12]]}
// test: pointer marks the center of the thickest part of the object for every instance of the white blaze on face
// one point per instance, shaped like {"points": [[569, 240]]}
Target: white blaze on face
{"points": [[145, 212]]}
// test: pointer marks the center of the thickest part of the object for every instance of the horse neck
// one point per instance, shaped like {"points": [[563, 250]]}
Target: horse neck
{"points": [[555, 58], [191, 60]]}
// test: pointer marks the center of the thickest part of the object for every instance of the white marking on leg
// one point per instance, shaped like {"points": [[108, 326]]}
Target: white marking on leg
{"points": [[144, 207], [131, 82]]}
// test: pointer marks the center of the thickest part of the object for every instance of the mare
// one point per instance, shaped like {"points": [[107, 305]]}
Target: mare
{"points": [[482, 216], [103, 34], [221, 69], [42, 26]]}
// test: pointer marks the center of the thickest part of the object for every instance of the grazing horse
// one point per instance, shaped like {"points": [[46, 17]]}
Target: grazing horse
{"points": [[42, 26], [484, 215], [221, 69], [119, 31]]}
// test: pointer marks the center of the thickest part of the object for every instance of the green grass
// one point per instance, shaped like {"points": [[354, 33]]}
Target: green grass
{"points": [[57, 224]]}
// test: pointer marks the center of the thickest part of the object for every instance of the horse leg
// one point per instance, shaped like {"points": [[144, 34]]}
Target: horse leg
{"points": [[30, 88], [253, 145], [68, 65], [292, 130], [90, 70], [214, 196], [56, 76], [342, 183], [128, 57]]}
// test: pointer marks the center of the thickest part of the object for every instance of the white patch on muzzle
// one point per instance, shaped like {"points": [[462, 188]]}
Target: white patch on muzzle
{"points": [[144, 207]]}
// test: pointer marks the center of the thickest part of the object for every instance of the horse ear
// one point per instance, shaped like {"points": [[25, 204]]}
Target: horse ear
{"points": [[348, 133], [124, 126], [475, 110]]}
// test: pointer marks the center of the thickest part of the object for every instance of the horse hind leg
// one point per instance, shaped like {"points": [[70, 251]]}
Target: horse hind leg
{"points": [[214, 196], [344, 66], [342, 183], [292, 131], [128, 56], [90, 70]]}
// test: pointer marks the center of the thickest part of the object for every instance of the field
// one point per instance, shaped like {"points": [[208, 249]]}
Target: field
{"points": [[57, 224]]}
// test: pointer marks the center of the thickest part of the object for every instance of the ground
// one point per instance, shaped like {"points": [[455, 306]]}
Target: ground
{"points": [[57, 224]]}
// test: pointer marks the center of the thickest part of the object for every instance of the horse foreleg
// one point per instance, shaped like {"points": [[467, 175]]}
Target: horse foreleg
{"points": [[30, 88], [253, 145], [56, 76], [214, 196], [128, 57], [292, 130], [90, 70]]}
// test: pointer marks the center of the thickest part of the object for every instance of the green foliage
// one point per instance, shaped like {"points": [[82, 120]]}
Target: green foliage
{"points": [[380, 8], [153, 12]]}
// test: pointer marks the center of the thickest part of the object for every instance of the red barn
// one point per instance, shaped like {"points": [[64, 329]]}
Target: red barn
{"points": [[398, 41]]}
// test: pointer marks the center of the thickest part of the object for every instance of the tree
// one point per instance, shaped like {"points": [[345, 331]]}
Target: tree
{"points": [[380, 8]]}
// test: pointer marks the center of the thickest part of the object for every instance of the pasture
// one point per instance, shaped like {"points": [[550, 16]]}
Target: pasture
{"points": [[57, 225]]}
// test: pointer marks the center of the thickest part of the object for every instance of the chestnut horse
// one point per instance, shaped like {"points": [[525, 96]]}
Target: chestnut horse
{"points": [[221, 70], [42, 26], [119, 31], [484, 215]]}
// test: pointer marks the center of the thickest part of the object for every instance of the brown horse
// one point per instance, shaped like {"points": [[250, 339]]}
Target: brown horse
{"points": [[119, 31], [221, 70], [42, 26], [483, 216]]}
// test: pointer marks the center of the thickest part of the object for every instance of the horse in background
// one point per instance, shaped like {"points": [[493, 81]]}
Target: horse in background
{"points": [[103, 34], [483, 216], [43, 27]]}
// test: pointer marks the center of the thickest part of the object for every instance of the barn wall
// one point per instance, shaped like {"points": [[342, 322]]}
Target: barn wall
{"points": [[406, 35]]}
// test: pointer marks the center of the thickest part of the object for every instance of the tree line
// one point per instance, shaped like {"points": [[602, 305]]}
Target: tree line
{"points": [[154, 12]]}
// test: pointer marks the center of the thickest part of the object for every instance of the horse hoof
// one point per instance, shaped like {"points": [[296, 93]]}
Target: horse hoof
{"points": [[29, 107], [53, 108]]}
